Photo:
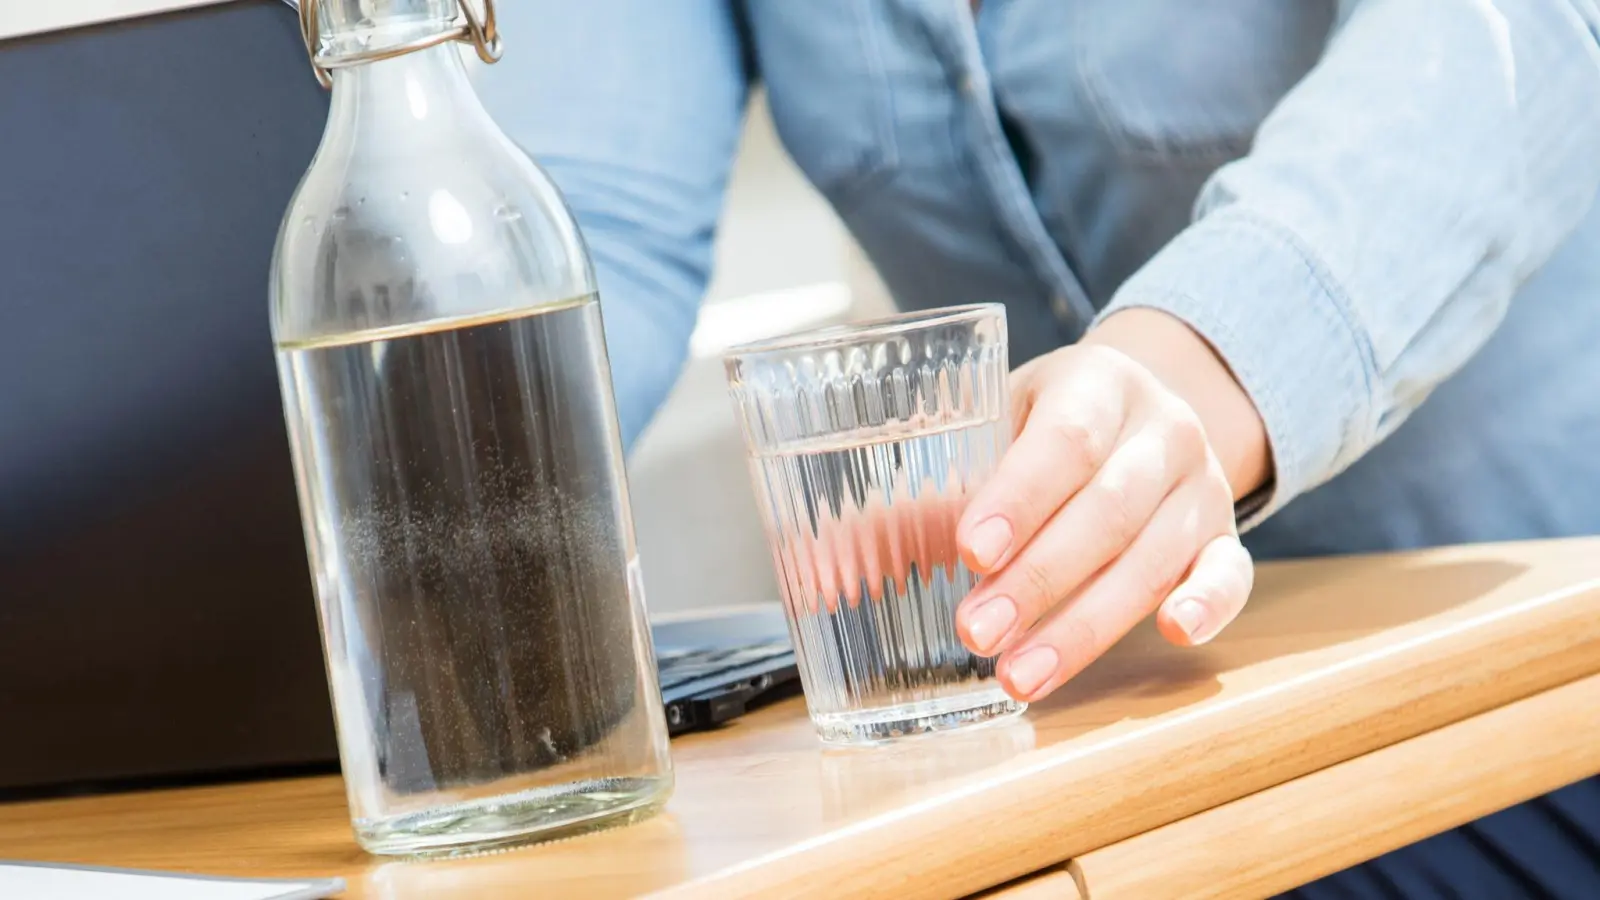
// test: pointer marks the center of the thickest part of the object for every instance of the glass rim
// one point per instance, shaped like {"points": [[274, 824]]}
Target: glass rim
{"points": [[850, 332]]}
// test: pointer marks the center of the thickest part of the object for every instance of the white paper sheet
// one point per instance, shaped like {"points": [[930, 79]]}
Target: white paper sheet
{"points": [[44, 881]]}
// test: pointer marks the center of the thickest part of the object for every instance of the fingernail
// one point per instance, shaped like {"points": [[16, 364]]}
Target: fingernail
{"points": [[1031, 670], [990, 540], [990, 622], [1190, 614]]}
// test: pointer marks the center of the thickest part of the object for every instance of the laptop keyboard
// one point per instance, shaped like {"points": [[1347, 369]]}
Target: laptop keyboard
{"points": [[681, 668]]}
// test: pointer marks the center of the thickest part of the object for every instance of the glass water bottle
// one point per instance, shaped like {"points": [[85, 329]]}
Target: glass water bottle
{"points": [[455, 442]]}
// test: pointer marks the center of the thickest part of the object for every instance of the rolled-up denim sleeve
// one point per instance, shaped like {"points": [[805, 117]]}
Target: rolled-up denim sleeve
{"points": [[634, 107], [1390, 207]]}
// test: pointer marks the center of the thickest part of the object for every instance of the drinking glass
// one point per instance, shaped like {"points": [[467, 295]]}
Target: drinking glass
{"points": [[865, 442]]}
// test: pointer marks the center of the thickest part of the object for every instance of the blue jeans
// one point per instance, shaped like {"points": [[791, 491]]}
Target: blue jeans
{"points": [[1546, 847]]}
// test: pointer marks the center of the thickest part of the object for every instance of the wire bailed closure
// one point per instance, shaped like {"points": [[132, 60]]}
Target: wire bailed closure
{"points": [[479, 31]]}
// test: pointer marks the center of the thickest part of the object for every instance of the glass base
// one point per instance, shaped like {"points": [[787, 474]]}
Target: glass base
{"points": [[885, 723], [500, 823]]}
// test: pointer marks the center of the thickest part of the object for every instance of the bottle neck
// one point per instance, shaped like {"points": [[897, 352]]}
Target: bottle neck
{"points": [[349, 27], [423, 97]]}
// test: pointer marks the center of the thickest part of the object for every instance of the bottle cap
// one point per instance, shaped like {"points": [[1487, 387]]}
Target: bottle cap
{"points": [[354, 32]]}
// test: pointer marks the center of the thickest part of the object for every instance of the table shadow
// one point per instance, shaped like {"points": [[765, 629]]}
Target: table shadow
{"points": [[1295, 608]]}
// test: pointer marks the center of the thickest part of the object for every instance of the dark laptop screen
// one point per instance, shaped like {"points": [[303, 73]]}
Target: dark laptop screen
{"points": [[155, 610]]}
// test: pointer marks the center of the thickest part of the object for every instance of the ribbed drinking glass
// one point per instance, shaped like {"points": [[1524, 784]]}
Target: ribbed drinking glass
{"points": [[865, 442]]}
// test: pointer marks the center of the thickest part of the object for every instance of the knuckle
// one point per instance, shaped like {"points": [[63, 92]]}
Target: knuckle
{"points": [[1152, 578], [1186, 438], [1029, 506], [1081, 444], [1114, 363], [1114, 515], [1038, 587], [1075, 639]]}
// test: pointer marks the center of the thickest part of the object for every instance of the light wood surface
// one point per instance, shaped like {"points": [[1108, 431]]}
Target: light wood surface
{"points": [[1333, 660], [1284, 836]]}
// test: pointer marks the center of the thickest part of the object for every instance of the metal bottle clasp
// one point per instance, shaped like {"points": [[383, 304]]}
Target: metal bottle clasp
{"points": [[479, 31]]}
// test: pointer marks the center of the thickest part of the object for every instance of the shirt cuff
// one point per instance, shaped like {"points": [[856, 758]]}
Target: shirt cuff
{"points": [[1274, 314]]}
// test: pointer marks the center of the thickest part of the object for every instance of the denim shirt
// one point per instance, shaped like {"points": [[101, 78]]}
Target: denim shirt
{"points": [[1379, 212]]}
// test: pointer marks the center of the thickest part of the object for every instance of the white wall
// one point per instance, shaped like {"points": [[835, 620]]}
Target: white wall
{"points": [[20, 17]]}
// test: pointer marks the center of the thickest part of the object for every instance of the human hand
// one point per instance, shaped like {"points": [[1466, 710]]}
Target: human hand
{"points": [[1111, 503]]}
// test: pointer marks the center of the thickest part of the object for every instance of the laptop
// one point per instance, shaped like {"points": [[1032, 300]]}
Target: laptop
{"points": [[716, 664]]}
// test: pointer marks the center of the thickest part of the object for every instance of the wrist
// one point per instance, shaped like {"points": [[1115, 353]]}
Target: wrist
{"points": [[1189, 367]]}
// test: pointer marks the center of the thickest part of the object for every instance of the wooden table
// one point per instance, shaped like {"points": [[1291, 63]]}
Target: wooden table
{"points": [[1363, 702]]}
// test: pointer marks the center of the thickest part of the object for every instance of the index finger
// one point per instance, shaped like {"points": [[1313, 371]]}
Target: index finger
{"points": [[1072, 426]]}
